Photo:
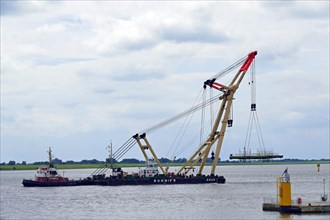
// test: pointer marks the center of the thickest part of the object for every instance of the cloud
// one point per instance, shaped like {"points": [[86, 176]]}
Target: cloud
{"points": [[184, 28], [17, 7], [145, 31], [138, 73], [293, 116], [53, 61], [51, 28], [114, 35], [115, 68], [299, 9], [10, 7]]}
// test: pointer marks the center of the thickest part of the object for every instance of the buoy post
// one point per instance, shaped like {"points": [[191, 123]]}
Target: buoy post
{"points": [[285, 190]]}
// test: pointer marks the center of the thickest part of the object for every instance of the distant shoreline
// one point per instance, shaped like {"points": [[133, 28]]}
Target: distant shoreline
{"points": [[94, 166]]}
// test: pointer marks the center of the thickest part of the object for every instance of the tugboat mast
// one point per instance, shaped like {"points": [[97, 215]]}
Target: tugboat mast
{"points": [[50, 156]]}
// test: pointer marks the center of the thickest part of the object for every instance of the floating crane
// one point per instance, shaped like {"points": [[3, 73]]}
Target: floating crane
{"points": [[223, 116], [216, 135]]}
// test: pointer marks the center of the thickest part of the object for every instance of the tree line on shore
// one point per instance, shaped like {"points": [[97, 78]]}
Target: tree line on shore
{"points": [[95, 161], [136, 161]]}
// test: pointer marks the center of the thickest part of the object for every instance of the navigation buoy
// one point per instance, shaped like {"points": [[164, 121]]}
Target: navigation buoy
{"points": [[285, 190]]}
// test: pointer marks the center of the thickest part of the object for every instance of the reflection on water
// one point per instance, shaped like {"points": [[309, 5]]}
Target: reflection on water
{"points": [[240, 198], [286, 216]]}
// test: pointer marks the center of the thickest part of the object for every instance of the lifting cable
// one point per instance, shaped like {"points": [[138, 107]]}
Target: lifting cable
{"points": [[253, 114], [202, 119], [181, 115], [184, 131], [193, 140], [123, 148], [98, 170], [248, 132], [230, 68], [261, 140], [116, 156], [211, 107], [253, 106], [204, 127], [181, 128]]}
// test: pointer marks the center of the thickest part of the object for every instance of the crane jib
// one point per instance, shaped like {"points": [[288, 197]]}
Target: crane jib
{"points": [[248, 61], [245, 66]]}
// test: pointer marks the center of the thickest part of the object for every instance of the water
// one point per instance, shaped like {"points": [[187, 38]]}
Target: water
{"points": [[240, 198]]}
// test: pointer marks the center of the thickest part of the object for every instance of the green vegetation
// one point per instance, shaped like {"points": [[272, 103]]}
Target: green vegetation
{"points": [[94, 166], [18, 167], [61, 166]]}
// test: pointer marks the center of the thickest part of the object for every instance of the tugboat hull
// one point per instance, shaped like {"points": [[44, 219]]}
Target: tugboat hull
{"points": [[33, 183]]}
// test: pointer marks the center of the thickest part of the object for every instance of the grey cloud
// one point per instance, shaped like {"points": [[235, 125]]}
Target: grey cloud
{"points": [[49, 61], [10, 7], [86, 73], [200, 34], [7, 118], [135, 76], [17, 7], [138, 45], [104, 90], [70, 20], [137, 73], [197, 30], [183, 43], [298, 9], [179, 35]]}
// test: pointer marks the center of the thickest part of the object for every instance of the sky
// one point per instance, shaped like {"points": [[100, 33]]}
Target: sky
{"points": [[76, 75]]}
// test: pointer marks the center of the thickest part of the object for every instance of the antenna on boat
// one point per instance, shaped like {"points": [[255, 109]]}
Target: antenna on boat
{"points": [[110, 154], [50, 156]]}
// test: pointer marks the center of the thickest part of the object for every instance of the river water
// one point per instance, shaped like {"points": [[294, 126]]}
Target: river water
{"points": [[240, 198]]}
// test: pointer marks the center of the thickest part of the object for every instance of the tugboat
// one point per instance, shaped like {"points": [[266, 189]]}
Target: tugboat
{"points": [[48, 176]]}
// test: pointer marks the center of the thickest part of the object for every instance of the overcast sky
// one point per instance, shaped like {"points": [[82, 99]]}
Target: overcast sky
{"points": [[77, 74]]}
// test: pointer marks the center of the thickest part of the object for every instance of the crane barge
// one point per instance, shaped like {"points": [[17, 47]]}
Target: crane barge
{"points": [[157, 173]]}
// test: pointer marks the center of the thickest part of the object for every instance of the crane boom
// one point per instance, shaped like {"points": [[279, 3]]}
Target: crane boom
{"points": [[218, 135]]}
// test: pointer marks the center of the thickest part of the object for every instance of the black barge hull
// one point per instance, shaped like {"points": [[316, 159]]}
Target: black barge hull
{"points": [[159, 180], [163, 180]]}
